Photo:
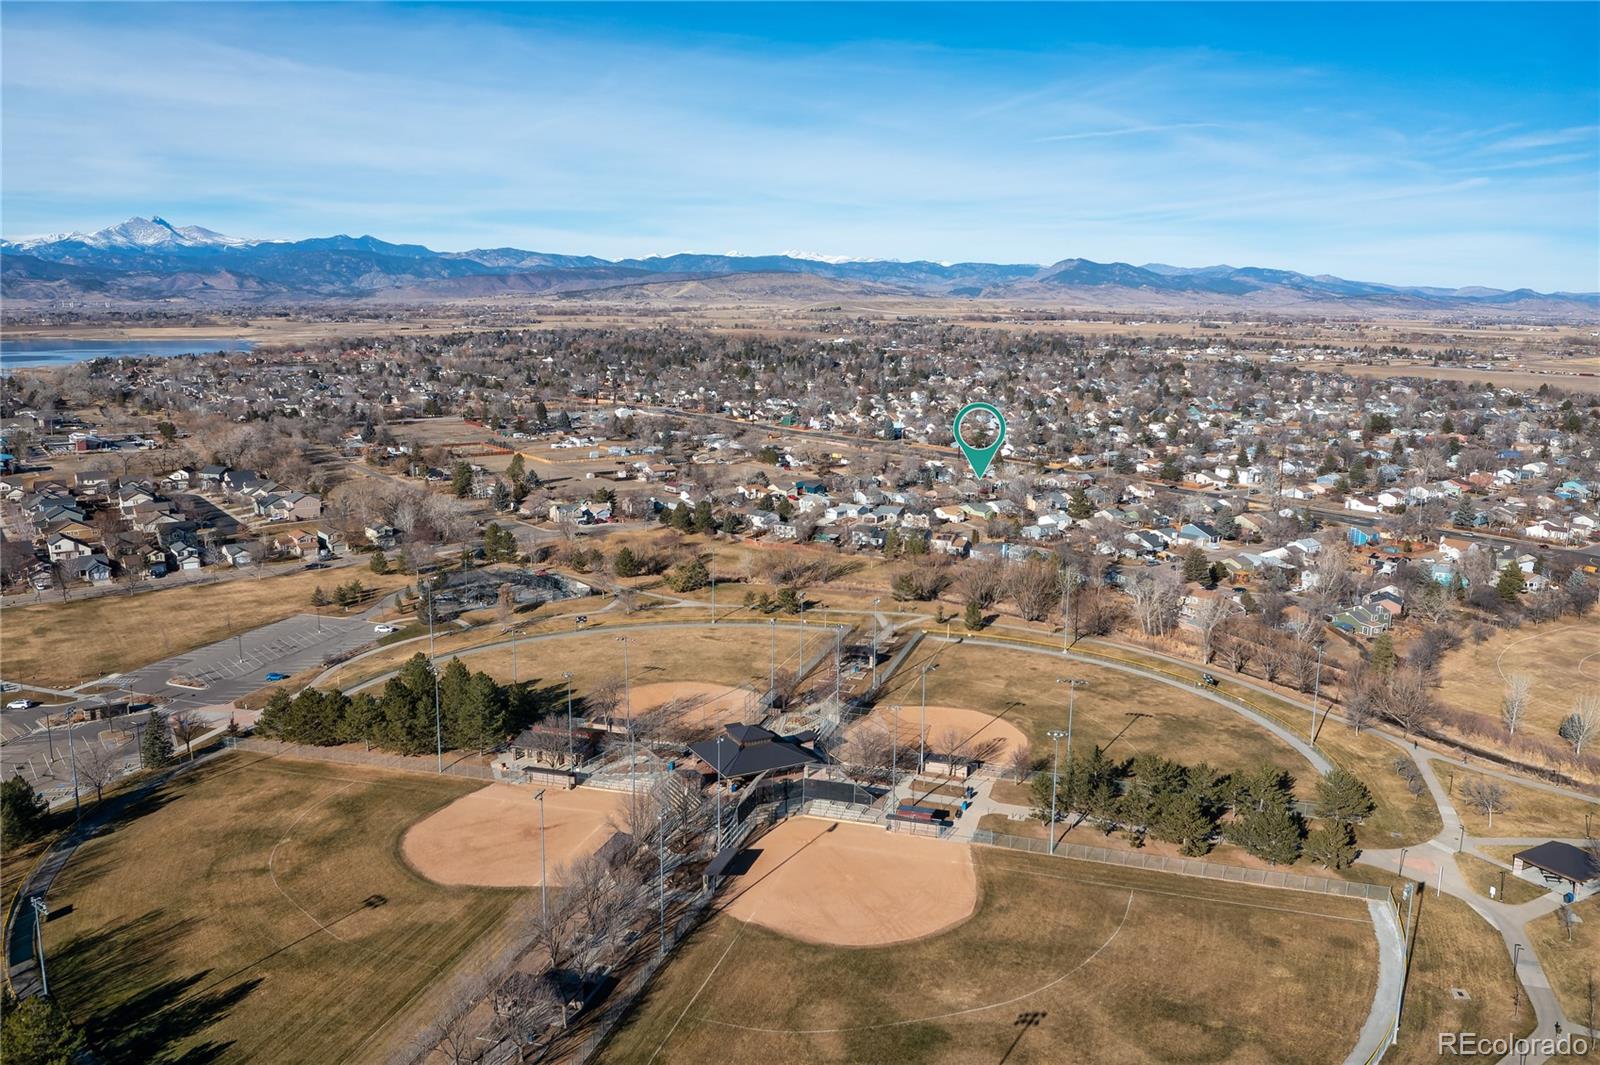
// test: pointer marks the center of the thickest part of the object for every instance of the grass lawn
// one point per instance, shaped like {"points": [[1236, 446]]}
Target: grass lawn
{"points": [[1560, 658], [258, 909], [1481, 874], [1532, 812], [1455, 948], [1119, 964], [1022, 686], [1572, 965], [62, 644]]}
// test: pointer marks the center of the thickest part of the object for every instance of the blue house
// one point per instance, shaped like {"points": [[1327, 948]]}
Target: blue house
{"points": [[1360, 537]]}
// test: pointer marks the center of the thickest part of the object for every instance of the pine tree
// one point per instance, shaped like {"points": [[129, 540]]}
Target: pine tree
{"points": [[379, 563], [1272, 834], [626, 563], [1332, 845], [972, 617], [1185, 820], [515, 469], [37, 1032], [1342, 798], [1383, 656], [1511, 582], [1195, 566], [155, 745], [22, 811], [1078, 505]]}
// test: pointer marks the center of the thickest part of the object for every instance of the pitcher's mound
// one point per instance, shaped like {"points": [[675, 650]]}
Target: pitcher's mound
{"points": [[490, 838], [853, 885]]}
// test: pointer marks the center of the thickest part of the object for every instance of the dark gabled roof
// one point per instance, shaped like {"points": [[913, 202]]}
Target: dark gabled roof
{"points": [[1562, 859], [747, 750]]}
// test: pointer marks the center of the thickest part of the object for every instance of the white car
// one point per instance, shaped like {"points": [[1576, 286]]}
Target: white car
{"points": [[21, 704], [383, 630]]}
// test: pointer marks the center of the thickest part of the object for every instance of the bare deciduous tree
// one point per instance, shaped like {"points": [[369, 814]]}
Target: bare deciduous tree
{"points": [[1514, 704], [186, 728], [1485, 796]]}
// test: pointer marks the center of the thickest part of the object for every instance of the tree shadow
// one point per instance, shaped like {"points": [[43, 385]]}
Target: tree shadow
{"points": [[134, 1012]]}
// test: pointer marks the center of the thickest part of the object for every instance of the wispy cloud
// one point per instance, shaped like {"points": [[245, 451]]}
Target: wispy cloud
{"points": [[1127, 131]]}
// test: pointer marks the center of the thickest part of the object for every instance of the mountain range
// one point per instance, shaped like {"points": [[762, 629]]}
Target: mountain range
{"points": [[143, 260]]}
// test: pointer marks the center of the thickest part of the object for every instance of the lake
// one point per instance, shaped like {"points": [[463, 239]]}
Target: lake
{"points": [[59, 351]]}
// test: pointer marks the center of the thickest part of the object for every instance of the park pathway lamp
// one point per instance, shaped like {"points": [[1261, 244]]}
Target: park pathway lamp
{"points": [[41, 910]]}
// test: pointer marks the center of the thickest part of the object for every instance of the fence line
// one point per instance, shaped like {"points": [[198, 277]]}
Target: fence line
{"points": [[1194, 867]]}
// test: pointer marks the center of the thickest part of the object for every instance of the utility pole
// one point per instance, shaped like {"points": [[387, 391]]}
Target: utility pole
{"points": [[1316, 693], [922, 740], [713, 587], [571, 757], [1055, 778], [544, 886], [72, 751]]}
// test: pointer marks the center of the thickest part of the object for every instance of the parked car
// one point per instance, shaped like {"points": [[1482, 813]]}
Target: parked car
{"points": [[21, 704], [383, 630], [277, 676], [316, 565], [1207, 680]]}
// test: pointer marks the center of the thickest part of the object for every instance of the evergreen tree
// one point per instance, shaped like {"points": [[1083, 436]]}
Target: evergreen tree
{"points": [[682, 518], [1511, 582], [461, 479], [319, 598], [1383, 657], [1195, 565], [22, 811], [479, 716], [972, 617], [1342, 798], [1332, 845], [1170, 470], [1272, 833], [379, 563], [37, 1032], [1078, 505], [704, 521], [688, 576], [515, 469], [626, 563], [1186, 820], [155, 745]]}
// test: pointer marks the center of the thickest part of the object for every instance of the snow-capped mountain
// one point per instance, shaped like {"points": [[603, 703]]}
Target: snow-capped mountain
{"points": [[151, 259], [137, 232]]}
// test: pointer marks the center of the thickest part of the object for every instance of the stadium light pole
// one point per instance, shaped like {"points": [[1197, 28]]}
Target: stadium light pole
{"points": [[1055, 778], [713, 587], [894, 748], [627, 702], [438, 717], [718, 767], [570, 754], [922, 738], [838, 665], [544, 886], [875, 603], [1072, 683], [772, 670], [72, 752], [661, 877]]}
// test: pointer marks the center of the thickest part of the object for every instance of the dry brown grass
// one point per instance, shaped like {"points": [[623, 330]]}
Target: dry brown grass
{"points": [[1482, 875], [59, 645], [1561, 658], [1122, 965], [1572, 963], [1532, 812], [1455, 948], [260, 908]]}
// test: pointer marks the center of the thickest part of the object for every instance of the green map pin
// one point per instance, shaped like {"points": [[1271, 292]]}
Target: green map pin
{"points": [[979, 458]]}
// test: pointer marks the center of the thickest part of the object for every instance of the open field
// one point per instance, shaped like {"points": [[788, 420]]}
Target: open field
{"points": [[1572, 964], [1124, 714], [62, 644], [1455, 948], [1532, 812], [1561, 658], [490, 837], [258, 909], [1119, 964]]}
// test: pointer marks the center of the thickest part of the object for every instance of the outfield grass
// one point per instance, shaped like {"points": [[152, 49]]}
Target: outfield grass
{"points": [[258, 909], [1571, 964], [1021, 686], [1455, 948], [62, 644], [1115, 964], [1532, 812]]}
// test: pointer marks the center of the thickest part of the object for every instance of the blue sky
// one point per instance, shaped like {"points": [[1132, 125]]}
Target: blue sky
{"points": [[1448, 144]]}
